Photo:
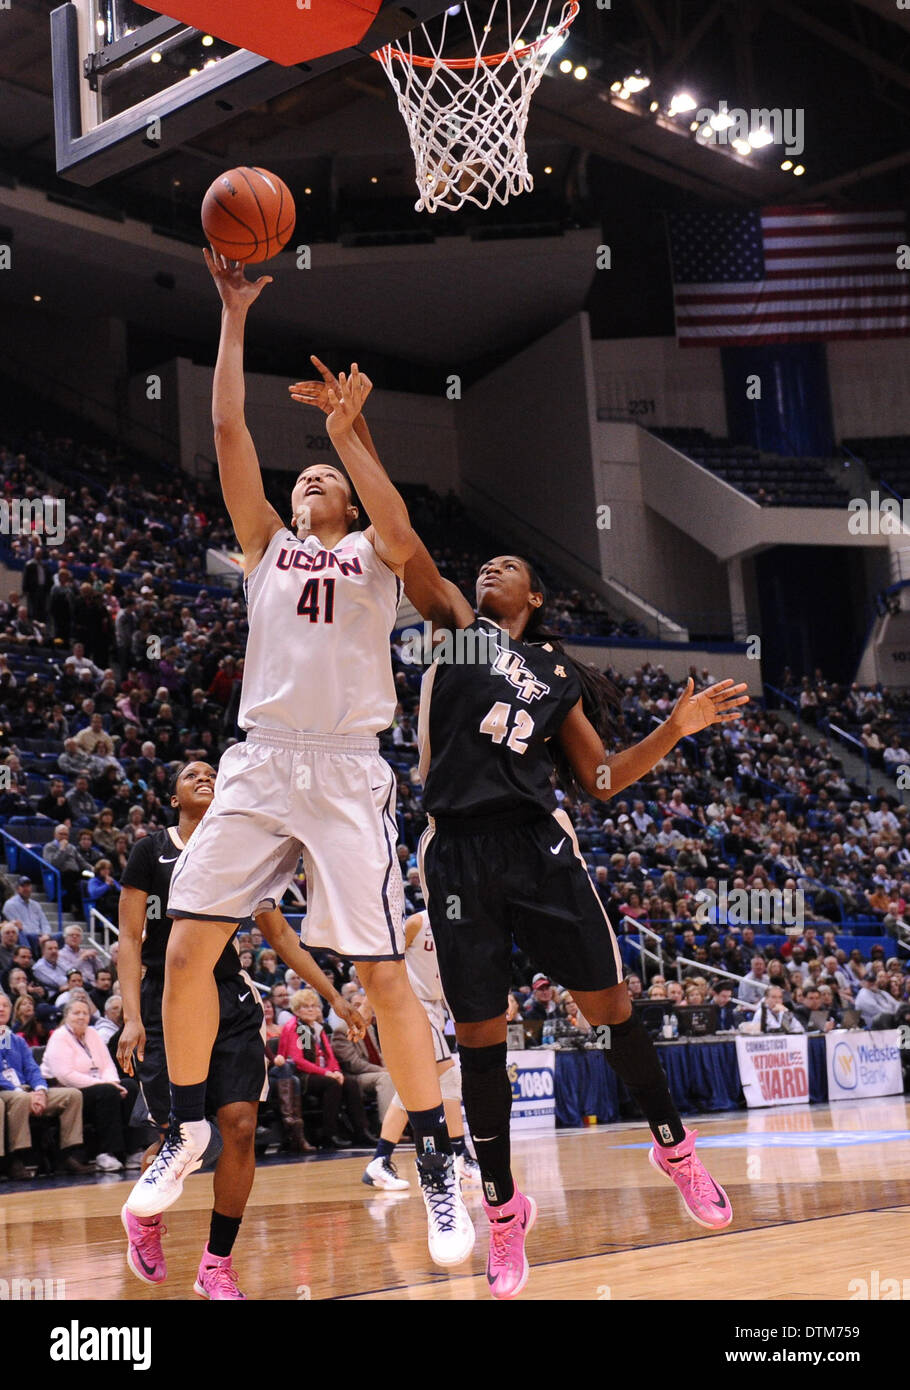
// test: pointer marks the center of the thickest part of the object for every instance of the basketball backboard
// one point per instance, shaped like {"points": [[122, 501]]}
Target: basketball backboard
{"points": [[131, 84]]}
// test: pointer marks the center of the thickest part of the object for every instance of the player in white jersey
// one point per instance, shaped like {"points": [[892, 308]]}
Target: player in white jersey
{"points": [[309, 779], [423, 969]]}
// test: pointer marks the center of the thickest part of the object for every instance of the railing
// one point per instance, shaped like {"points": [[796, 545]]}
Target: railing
{"points": [[107, 929], [855, 743], [783, 697], [683, 962], [44, 867]]}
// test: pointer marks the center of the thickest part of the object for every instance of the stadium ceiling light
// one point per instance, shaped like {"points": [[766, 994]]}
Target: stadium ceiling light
{"points": [[210, 62], [799, 170], [308, 191], [761, 137], [636, 83], [193, 72], [552, 44], [705, 132], [580, 72], [681, 102], [453, 10], [787, 165], [36, 298], [742, 147], [721, 120], [548, 168], [156, 57], [693, 125], [207, 40], [374, 179], [615, 86], [655, 106], [566, 65]]}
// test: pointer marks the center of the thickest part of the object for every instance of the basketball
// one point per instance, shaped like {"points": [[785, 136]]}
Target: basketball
{"points": [[248, 215]]}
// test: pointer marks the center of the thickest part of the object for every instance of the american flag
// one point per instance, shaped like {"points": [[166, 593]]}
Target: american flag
{"points": [[788, 274]]}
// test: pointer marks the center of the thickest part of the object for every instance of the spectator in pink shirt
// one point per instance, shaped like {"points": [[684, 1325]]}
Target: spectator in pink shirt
{"points": [[76, 1056], [305, 1044]]}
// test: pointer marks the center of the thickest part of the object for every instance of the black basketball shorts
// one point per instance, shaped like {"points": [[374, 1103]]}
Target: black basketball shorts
{"points": [[525, 883], [237, 1071]]}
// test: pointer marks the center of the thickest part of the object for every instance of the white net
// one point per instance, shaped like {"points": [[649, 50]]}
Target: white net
{"points": [[466, 117]]}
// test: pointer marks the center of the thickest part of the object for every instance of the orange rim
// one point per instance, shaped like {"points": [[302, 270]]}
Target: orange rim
{"points": [[418, 60]]}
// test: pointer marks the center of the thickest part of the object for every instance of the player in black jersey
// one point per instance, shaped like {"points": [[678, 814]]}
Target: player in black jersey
{"points": [[237, 1075], [500, 862]]}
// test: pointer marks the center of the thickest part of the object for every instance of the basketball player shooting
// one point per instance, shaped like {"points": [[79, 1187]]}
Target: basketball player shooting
{"points": [[318, 688]]}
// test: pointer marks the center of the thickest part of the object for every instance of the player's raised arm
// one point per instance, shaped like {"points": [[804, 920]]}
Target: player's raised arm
{"points": [[438, 600], [605, 776], [391, 531], [254, 520]]}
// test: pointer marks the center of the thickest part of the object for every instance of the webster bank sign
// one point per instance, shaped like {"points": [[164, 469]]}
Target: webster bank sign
{"points": [[863, 1064]]}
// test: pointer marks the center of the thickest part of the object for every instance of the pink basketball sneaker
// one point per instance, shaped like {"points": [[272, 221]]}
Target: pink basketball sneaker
{"points": [[705, 1200], [217, 1279], [144, 1254], [507, 1263]]}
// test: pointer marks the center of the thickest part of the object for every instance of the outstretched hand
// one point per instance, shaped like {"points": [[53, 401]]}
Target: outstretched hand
{"points": [[717, 705], [316, 392], [347, 401], [237, 292]]}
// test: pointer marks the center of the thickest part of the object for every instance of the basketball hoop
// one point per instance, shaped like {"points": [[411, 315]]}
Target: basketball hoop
{"points": [[466, 117]]}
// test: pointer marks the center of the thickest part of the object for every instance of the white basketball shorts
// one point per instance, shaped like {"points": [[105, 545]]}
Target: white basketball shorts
{"points": [[280, 795], [435, 1012]]}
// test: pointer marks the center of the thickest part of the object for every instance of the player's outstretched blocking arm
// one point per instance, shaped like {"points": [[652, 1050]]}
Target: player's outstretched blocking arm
{"points": [[437, 600], [316, 393], [604, 776], [254, 520], [281, 936], [391, 532]]}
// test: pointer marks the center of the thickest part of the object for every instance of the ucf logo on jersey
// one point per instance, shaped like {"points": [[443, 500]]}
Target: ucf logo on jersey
{"points": [[511, 664]]}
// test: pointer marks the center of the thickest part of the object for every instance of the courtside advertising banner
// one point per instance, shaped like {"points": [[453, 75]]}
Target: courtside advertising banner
{"points": [[864, 1064], [532, 1075], [773, 1068]]}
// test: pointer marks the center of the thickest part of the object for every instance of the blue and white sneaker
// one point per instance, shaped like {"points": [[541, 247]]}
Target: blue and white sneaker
{"points": [[450, 1230]]}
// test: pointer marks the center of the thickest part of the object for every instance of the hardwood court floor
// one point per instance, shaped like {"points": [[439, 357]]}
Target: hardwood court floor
{"points": [[821, 1197]]}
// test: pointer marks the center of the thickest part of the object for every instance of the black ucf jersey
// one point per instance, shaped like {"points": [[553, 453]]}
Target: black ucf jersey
{"points": [[488, 706]]}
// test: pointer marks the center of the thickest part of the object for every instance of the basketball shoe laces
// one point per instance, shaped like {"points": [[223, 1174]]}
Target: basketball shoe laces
{"points": [[502, 1233], [222, 1276], [697, 1176], [439, 1196], [167, 1154], [148, 1240]]}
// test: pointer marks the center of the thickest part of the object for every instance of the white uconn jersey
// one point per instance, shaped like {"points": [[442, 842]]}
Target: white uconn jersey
{"points": [[317, 656], [423, 964]]}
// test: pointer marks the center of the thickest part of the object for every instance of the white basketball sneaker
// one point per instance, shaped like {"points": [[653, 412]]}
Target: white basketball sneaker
{"points": [[184, 1150], [381, 1172], [468, 1170], [451, 1231]]}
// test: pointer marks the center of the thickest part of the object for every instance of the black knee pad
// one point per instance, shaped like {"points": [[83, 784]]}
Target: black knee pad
{"points": [[486, 1089], [479, 1059]]}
